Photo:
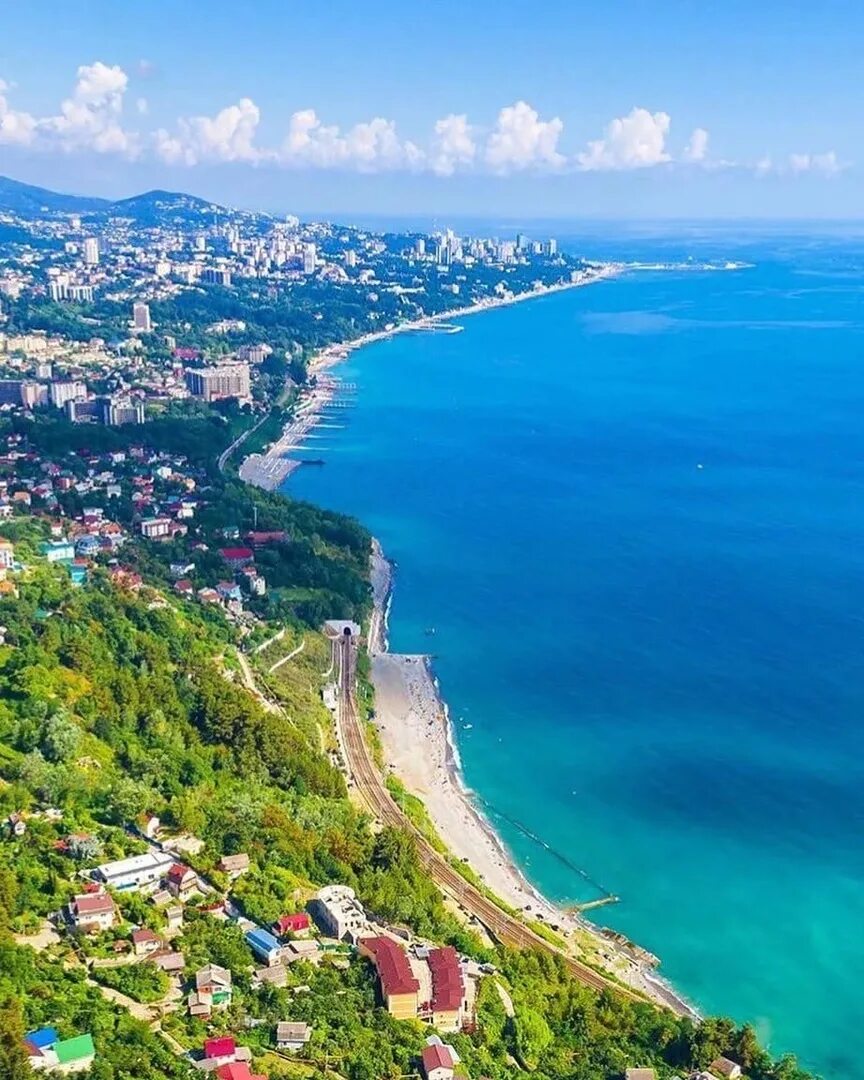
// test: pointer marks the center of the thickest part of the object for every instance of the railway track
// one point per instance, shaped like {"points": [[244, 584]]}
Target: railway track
{"points": [[372, 790]]}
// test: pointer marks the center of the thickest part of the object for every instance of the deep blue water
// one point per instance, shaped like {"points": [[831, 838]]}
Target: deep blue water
{"points": [[661, 663]]}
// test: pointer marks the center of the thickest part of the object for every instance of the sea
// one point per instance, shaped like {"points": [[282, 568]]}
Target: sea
{"points": [[628, 521]]}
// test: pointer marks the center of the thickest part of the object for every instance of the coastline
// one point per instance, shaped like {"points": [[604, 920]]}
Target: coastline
{"points": [[419, 749], [269, 470], [413, 719]]}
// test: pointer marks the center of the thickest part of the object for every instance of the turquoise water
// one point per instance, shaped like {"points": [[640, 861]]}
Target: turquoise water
{"points": [[661, 664]]}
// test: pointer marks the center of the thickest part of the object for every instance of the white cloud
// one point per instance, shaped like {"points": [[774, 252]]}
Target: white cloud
{"points": [[453, 144], [142, 106], [371, 146], [827, 164], [520, 140], [696, 150], [15, 127], [635, 141], [90, 118], [227, 136]]}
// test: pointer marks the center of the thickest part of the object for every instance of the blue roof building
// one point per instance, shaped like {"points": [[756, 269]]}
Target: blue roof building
{"points": [[264, 945], [43, 1037]]}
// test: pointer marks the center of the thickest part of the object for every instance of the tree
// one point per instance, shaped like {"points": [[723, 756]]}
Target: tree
{"points": [[60, 737], [532, 1036], [14, 1064]]}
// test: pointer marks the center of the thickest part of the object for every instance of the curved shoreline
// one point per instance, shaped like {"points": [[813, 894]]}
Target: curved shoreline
{"points": [[272, 468], [420, 749], [461, 824]]}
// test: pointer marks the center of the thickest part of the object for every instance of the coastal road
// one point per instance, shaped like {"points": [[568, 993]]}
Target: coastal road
{"points": [[372, 790]]}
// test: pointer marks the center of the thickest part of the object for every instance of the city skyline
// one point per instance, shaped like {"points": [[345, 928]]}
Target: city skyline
{"points": [[696, 114]]}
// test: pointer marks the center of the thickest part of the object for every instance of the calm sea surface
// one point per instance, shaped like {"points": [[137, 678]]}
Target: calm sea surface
{"points": [[634, 515]]}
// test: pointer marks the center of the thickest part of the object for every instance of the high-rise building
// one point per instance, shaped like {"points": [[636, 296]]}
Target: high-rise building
{"points": [[216, 276], [91, 251], [521, 241], [61, 392], [141, 317], [222, 381], [350, 258], [200, 242], [310, 260], [122, 411], [420, 247], [551, 247]]}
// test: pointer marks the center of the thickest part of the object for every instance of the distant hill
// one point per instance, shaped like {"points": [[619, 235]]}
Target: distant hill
{"points": [[30, 201], [25, 199], [158, 204]]}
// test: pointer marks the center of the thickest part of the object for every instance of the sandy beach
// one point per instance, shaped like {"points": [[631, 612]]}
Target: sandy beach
{"points": [[270, 469], [418, 746]]}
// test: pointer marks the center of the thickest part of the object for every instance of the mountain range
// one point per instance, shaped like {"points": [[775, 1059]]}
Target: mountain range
{"points": [[26, 200]]}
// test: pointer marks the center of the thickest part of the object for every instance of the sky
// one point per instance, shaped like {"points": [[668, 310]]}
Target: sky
{"points": [[555, 109]]}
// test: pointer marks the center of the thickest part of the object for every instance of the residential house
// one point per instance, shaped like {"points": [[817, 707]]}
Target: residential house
{"points": [[263, 539], [7, 555], [237, 1070], [234, 865], [174, 917], [213, 990], [184, 587], [182, 881], [92, 912], [145, 942], [639, 1074], [277, 975], [292, 1036], [399, 986], [221, 1050], [172, 963], [265, 946], [237, 557], [59, 1055], [302, 949], [57, 550], [723, 1066], [136, 872], [292, 924], [438, 1062]]}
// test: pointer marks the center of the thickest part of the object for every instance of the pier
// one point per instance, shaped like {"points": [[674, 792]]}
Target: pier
{"points": [[606, 896]]}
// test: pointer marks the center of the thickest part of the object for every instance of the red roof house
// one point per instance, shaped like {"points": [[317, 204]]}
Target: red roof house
{"points": [[291, 924], [237, 556], [223, 1047], [437, 1062], [399, 987]]}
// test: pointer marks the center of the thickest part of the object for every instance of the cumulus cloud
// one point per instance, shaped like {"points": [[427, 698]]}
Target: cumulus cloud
{"points": [[453, 144], [520, 140], [90, 118], [696, 150], [15, 127], [227, 136], [635, 141], [368, 147]]}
